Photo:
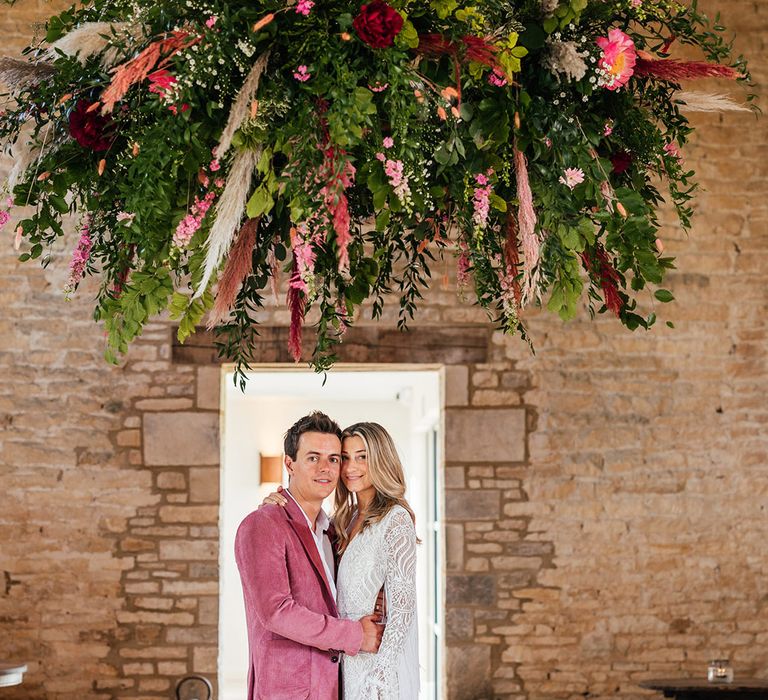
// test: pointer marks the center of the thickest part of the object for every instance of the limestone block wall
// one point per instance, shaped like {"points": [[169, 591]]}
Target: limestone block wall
{"points": [[605, 499]]}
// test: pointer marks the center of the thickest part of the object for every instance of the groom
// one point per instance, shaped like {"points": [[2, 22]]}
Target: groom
{"points": [[287, 568]]}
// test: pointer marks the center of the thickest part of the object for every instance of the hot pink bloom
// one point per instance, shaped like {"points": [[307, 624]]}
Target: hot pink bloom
{"points": [[608, 128], [214, 165], [617, 62], [496, 78], [301, 74], [388, 142], [572, 177], [211, 21], [304, 6], [378, 87], [380, 156], [161, 82]]}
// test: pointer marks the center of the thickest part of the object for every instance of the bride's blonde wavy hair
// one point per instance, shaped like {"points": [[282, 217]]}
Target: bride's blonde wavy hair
{"points": [[386, 473]]}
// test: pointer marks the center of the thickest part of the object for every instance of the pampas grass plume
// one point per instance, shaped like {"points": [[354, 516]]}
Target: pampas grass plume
{"points": [[229, 213], [243, 105], [708, 102]]}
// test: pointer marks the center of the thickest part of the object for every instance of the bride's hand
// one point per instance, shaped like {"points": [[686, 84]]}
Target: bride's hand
{"points": [[276, 498]]}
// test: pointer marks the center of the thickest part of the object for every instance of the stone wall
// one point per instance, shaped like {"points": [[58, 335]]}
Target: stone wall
{"points": [[605, 498]]}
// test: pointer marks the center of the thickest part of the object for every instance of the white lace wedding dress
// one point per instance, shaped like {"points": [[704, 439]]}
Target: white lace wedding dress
{"points": [[383, 554]]}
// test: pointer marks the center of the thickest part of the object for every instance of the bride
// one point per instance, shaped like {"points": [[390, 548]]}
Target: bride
{"points": [[377, 543]]}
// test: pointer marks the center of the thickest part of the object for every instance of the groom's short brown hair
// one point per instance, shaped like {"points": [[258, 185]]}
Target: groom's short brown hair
{"points": [[315, 422]]}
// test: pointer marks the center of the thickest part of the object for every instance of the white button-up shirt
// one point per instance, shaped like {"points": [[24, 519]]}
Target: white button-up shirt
{"points": [[322, 542]]}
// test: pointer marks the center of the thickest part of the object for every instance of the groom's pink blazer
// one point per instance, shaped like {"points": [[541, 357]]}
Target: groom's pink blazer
{"points": [[294, 634]]}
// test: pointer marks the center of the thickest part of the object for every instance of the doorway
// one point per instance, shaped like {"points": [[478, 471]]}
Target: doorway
{"points": [[408, 402]]}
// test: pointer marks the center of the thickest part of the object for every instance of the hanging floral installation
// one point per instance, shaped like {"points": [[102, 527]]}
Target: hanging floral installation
{"points": [[209, 147]]}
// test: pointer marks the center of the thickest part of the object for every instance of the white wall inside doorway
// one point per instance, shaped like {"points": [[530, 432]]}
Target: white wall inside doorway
{"points": [[408, 403]]}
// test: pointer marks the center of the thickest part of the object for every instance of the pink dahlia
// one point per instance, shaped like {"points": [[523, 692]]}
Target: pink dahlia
{"points": [[617, 62]]}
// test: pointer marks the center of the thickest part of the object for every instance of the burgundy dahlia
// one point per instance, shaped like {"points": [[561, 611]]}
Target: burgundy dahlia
{"points": [[378, 24], [90, 129], [621, 160]]}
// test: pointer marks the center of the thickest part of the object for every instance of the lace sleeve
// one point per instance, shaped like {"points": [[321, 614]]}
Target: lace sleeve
{"points": [[400, 587]]}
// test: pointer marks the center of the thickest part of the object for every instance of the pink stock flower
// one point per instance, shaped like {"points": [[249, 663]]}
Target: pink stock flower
{"points": [[214, 165], [303, 7], [617, 61], [481, 199], [572, 177], [80, 256], [395, 171], [388, 142], [302, 74], [211, 21], [462, 266], [192, 221]]}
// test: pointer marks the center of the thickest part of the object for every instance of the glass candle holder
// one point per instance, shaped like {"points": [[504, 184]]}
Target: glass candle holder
{"points": [[720, 671]]}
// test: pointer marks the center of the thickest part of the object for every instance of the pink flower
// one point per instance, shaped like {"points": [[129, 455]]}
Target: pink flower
{"points": [[608, 128], [388, 142], [572, 177], [617, 62], [161, 82], [124, 216], [218, 182], [673, 150], [192, 221], [302, 74], [462, 266], [481, 199], [395, 171], [378, 87], [214, 165], [636, 3], [211, 21], [80, 256], [496, 78], [380, 156], [304, 6], [4, 217]]}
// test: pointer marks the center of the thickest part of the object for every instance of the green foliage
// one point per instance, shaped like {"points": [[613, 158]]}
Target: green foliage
{"points": [[373, 161]]}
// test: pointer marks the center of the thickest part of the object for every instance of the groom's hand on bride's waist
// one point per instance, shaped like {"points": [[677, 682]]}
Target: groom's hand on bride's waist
{"points": [[372, 631]]}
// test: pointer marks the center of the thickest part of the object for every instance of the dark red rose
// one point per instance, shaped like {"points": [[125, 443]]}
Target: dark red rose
{"points": [[378, 24], [621, 161], [90, 129]]}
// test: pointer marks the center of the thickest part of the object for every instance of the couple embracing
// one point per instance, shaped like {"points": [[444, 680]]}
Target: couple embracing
{"points": [[313, 587]]}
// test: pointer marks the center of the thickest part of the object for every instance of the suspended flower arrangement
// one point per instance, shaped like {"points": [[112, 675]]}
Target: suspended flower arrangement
{"points": [[209, 147]]}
